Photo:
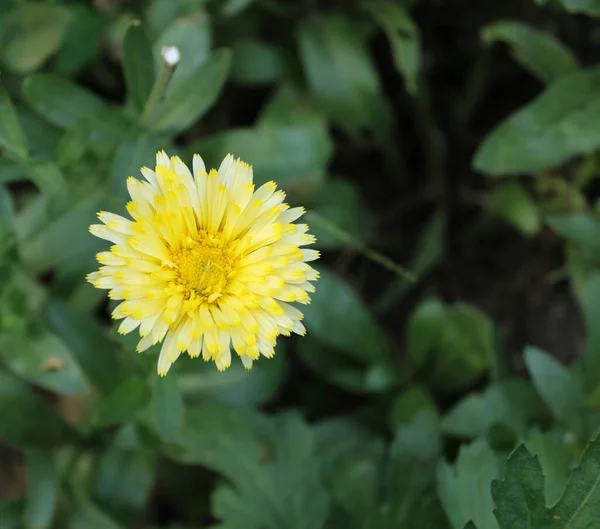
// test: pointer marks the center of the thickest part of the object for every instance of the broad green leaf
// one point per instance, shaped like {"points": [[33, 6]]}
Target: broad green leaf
{"points": [[559, 389], [18, 404], [292, 155], [235, 386], [511, 202], [43, 483], [121, 404], [41, 28], [102, 360], [513, 403], [538, 51], [409, 404], [168, 407], [285, 491], [86, 515], [340, 73], [188, 102], [559, 124], [464, 350], [423, 332], [556, 460], [255, 62], [582, 229], [48, 178], [125, 476], [12, 137], [59, 101], [81, 41], [138, 65], [587, 7], [42, 359], [464, 488], [346, 324], [192, 37], [403, 36], [339, 202]]}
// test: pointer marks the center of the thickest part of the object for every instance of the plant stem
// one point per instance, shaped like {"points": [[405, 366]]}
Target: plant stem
{"points": [[345, 237], [170, 59]]}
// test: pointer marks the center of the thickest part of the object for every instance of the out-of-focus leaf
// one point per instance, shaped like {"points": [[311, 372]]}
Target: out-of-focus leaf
{"points": [[292, 155], [286, 491], [65, 242], [18, 404], [99, 358], [168, 407], [465, 349], [255, 62], [464, 488], [41, 28], [192, 36], [85, 515], [409, 404], [339, 202], [547, 132], [582, 229], [556, 460], [538, 51], [403, 36], [81, 41], [340, 73], [12, 137], [10, 514], [125, 476], [423, 332], [511, 202], [345, 324], [235, 386], [513, 403], [234, 7], [121, 404], [559, 389], [48, 178], [44, 360], [186, 103], [138, 65], [587, 7], [59, 101], [42, 478]]}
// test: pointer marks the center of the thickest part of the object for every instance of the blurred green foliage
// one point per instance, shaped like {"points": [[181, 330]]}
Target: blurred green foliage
{"points": [[405, 406]]}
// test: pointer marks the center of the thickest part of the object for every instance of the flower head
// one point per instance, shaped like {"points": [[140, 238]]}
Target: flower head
{"points": [[208, 263]]}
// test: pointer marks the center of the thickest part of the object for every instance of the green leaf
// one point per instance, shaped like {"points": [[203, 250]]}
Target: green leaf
{"points": [[423, 332], [59, 101], [18, 404], [511, 202], [404, 38], [168, 407], [85, 515], [42, 359], [587, 7], [346, 325], [138, 65], [41, 28], [559, 389], [464, 488], [42, 478], [121, 404], [464, 350], [10, 514], [286, 491], [582, 229], [125, 476], [187, 103], [100, 358], [340, 73], [512, 402], [192, 37], [546, 132], [255, 62], [409, 404], [291, 155], [12, 137], [538, 51]]}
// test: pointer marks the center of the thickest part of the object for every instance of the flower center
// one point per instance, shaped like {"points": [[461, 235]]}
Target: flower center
{"points": [[203, 267]]}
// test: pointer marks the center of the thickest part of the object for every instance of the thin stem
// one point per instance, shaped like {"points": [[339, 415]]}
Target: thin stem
{"points": [[345, 237], [170, 59]]}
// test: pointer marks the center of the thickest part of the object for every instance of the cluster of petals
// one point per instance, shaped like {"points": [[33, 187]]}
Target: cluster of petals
{"points": [[207, 264]]}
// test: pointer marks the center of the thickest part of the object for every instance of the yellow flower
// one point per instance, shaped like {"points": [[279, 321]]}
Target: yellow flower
{"points": [[207, 263]]}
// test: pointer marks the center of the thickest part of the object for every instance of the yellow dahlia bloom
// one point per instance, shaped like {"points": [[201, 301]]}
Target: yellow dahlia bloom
{"points": [[207, 263]]}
